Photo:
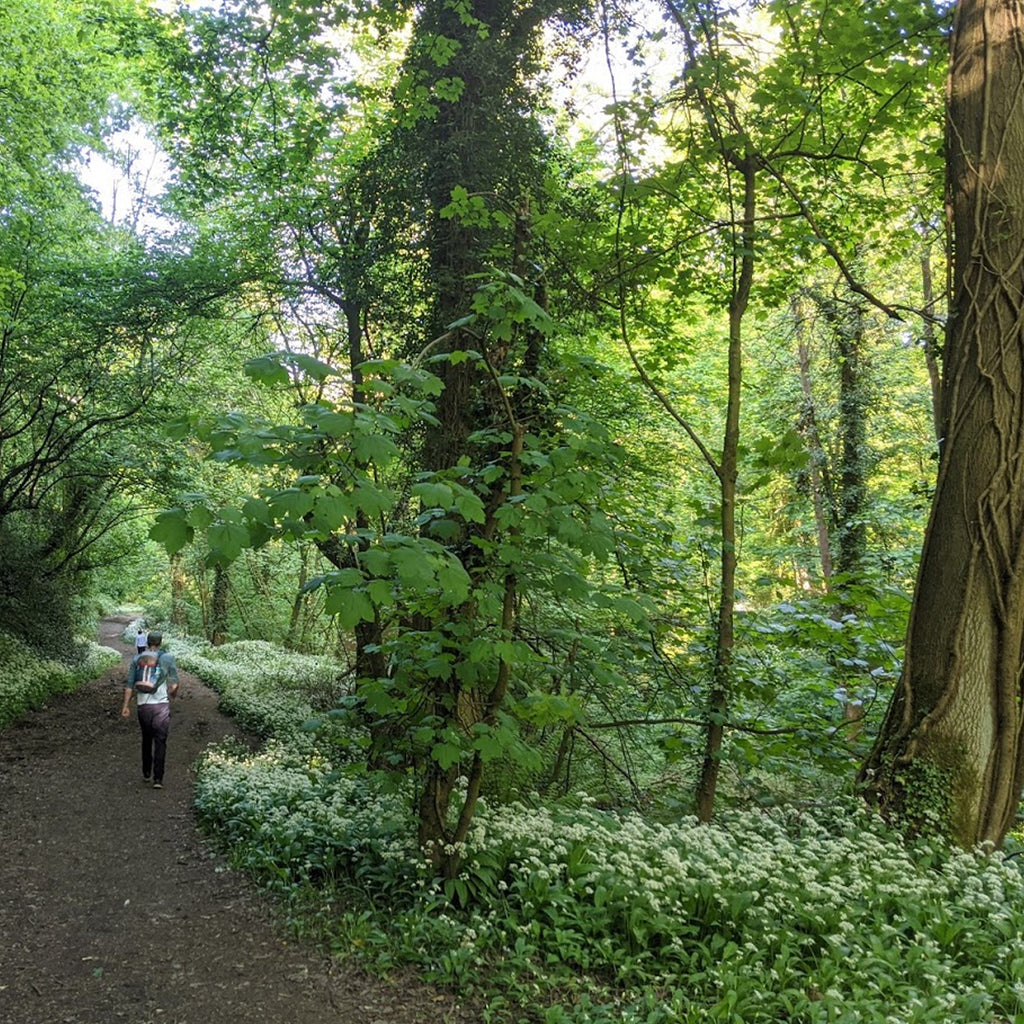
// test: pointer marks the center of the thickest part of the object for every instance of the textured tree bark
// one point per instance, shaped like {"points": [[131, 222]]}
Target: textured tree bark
{"points": [[809, 428], [851, 535], [219, 607], [950, 751], [487, 142], [931, 357], [179, 616]]}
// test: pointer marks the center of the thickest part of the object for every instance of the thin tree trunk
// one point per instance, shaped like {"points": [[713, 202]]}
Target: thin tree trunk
{"points": [[179, 614], [931, 358], [721, 688], [299, 601], [815, 463], [219, 605]]}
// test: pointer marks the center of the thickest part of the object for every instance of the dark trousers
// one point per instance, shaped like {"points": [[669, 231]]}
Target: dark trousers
{"points": [[155, 720]]}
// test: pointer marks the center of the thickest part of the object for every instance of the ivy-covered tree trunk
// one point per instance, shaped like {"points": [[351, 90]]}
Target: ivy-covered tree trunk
{"points": [[483, 142], [179, 612], [847, 324], [817, 467], [951, 751], [219, 605]]}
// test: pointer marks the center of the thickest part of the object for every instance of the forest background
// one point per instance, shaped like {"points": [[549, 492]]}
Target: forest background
{"points": [[545, 479]]}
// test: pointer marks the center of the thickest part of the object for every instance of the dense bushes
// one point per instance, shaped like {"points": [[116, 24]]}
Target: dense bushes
{"points": [[564, 912], [27, 678]]}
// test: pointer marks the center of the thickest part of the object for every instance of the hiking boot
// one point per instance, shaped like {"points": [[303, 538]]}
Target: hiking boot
{"points": [[158, 785]]}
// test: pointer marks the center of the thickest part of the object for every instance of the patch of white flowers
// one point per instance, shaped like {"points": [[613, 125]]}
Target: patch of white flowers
{"points": [[264, 666], [271, 692], [764, 917], [292, 810], [27, 680]]}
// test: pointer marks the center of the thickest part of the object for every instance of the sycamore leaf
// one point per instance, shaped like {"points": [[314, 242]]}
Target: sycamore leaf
{"points": [[330, 509], [171, 530], [446, 754], [200, 517], [291, 502], [374, 448], [376, 561], [335, 424], [350, 606], [454, 581], [470, 507], [257, 511], [488, 743], [433, 495], [317, 369], [347, 578], [414, 567], [570, 584], [267, 370], [227, 539]]}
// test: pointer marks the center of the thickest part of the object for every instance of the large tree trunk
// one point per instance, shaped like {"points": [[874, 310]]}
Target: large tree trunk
{"points": [[487, 142], [950, 751]]}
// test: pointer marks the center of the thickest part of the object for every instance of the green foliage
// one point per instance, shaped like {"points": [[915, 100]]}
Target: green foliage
{"points": [[291, 819], [567, 913], [30, 676], [270, 691], [55, 85], [448, 542], [324, 207], [821, 676], [38, 602]]}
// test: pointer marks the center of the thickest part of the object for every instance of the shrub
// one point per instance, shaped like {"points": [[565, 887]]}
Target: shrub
{"points": [[568, 914], [28, 679]]}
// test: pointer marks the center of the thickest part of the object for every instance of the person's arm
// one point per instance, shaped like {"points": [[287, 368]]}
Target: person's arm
{"points": [[172, 676], [129, 686]]}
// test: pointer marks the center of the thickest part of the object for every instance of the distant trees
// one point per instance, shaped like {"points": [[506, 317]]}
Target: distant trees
{"points": [[100, 330], [74, 369], [776, 156]]}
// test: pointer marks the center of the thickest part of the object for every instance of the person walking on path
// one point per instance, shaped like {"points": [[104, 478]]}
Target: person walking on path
{"points": [[153, 678], [140, 641]]}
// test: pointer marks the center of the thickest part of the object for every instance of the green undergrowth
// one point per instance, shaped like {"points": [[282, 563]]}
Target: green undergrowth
{"points": [[28, 678], [569, 913], [270, 691]]}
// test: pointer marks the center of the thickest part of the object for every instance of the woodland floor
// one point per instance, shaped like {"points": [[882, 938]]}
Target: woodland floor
{"points": [[112, 907]]}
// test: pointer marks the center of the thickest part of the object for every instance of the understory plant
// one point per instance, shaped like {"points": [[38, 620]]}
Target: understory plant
{"points": [[28, 678], [565, 912], [270, 691]]}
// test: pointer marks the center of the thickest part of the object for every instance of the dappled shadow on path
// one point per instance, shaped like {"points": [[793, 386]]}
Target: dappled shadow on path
{"points": [[113, 909]]}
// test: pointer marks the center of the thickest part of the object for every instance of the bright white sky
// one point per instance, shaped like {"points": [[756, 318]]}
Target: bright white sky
{"points": [[126, 193]]}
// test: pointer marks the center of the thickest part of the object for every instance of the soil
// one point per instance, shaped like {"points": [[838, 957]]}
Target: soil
{"points": [[113, 908]]}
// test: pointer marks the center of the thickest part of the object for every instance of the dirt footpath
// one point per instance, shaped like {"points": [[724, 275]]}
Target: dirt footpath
{"points": [[112, 908]]}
